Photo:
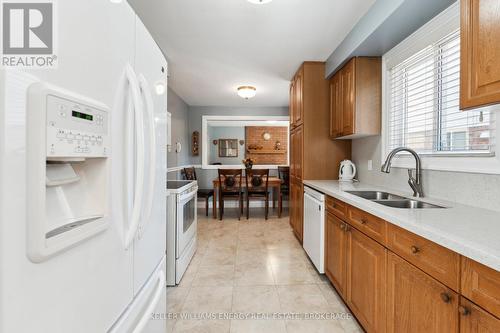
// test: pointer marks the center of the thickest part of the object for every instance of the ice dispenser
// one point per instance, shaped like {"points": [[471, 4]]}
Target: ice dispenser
{"points": [[68, 148]]}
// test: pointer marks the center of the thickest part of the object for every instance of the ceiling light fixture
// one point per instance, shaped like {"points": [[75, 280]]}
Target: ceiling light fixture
{"points": [[259, 2], [247, 92]]}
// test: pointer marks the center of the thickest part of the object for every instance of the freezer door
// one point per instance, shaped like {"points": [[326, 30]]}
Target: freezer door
{"points": [[150, 241], [147, 312], [86, 287]]}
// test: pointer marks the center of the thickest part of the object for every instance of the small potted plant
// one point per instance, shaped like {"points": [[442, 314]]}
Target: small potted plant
{"points": [[248, 162]]}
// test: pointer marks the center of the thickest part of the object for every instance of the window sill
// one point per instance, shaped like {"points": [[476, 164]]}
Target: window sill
{"points": [[470, 164]]}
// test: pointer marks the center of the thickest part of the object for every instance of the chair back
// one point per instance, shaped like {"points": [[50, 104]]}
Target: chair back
{"points": [[190, 174], [284, 174], [257, 180], [230, 180]]}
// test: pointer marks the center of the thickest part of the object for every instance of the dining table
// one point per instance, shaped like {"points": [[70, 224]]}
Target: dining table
{"points": [[274, 183]]}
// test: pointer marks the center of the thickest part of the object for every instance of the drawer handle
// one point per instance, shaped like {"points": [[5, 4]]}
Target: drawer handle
{"points": [[445, 297], [364, 221], [415, 249], [463, 310]]}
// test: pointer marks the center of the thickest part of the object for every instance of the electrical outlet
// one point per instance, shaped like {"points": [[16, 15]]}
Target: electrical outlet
{"points": [[370, 165]]}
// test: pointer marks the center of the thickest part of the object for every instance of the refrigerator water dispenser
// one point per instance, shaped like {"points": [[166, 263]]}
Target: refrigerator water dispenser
{"points": [[67, 185]]}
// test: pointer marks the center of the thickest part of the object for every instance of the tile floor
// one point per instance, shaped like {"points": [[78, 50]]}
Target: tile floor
{"points": [[253, 266]]}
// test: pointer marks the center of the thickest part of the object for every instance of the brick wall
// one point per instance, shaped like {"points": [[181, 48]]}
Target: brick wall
{"points": [[254, 138]]}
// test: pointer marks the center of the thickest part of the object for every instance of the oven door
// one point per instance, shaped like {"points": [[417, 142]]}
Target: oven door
{"points": [[186, 220]]}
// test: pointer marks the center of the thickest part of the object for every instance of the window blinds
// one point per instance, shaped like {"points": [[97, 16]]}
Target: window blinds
{"points": [[424, 104]]}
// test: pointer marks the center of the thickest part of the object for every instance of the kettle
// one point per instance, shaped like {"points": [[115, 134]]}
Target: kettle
{"points": [[347, 171]]}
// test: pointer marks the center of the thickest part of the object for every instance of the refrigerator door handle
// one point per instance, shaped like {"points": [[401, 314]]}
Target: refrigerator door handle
{"points": [[149, 108], [152, 305], [139, 156]]}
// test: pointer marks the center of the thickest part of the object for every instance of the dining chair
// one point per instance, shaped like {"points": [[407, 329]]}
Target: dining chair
{"points": [[284, 175], [257, 187], [204, 193], [230, 188]]}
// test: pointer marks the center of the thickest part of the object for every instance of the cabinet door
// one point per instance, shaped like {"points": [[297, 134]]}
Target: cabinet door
{"points": [[473, 319], [348, 96], [335, 106], [480, 51], [335, 252], [416, 302], [292, 103], [296, 152], [297, 211], [366, 280], [299, 93]]}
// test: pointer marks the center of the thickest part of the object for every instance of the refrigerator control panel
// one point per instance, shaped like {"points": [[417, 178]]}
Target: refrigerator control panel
{"points": [[75, 129]]}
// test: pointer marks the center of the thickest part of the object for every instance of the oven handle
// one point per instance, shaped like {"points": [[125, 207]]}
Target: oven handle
{"points": [[188, 196]]}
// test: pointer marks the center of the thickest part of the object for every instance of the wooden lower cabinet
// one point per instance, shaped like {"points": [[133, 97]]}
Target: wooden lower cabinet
{"points": [[335, 252], [297, 208], [417, 302], [366, 281], [473, 319]]}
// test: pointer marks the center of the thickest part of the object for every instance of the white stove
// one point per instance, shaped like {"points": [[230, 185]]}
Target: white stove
{"points": [[181, 227]]}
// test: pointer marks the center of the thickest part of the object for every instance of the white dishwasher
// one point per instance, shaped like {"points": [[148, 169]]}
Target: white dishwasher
{"points": [[314, 227]]}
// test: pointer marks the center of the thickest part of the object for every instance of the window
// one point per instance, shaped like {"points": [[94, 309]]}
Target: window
{"points": [[423, 104]]}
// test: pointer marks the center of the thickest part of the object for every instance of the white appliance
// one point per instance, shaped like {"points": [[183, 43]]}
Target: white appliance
{"points": [[347, 171], [181, 228], [82, 180], [314, 227]]}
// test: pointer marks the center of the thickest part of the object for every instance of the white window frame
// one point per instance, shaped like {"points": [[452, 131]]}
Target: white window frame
{"points": [[239, 121], [439, 27]]}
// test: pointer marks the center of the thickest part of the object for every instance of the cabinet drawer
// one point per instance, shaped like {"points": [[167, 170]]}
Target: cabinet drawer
{"points": [[481, 285], [372, 226], [336, 207], [435, 260]]}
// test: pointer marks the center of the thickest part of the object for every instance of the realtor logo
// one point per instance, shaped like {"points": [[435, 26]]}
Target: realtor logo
{"points": [[28, 34]]}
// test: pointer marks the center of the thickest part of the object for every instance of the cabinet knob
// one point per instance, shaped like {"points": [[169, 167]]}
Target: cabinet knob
{"points": [[334, 205], [445, 297], [415, 249], [463, 310], [364, 221], [342, 226]]}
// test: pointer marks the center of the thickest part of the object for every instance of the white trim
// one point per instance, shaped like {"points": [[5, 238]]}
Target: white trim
{"points": [[182, 167], [235, 121], [440, 26]]}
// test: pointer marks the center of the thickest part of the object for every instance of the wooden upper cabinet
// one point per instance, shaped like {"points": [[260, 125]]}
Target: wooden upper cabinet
{"points": [[299, 99], [366, 280], [356, 90], [347, 76], [473, 319], [416, 302], [335, 107], [480, 53], [335, 252]]}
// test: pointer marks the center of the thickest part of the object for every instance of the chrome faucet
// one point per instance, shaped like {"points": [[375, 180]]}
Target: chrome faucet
{"points": [[414, 182]]}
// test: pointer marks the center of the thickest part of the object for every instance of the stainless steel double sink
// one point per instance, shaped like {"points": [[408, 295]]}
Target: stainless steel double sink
{"points": [[393, 200]]}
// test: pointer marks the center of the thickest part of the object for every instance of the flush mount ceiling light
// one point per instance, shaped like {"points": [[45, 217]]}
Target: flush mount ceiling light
{"points": [[247, 92], [259, 2]]}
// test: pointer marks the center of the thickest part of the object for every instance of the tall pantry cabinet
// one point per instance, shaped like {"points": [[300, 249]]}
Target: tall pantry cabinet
{"points": [[312, 154]]}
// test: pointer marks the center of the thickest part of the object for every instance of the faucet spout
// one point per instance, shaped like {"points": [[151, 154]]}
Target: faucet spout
{"points": [[414, 182]]}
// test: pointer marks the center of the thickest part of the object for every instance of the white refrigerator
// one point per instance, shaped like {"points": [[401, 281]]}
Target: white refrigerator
{"points": [[83, 180]]}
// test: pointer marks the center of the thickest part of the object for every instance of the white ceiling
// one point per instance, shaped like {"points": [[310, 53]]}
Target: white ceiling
{"points": [[213, 46]]}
